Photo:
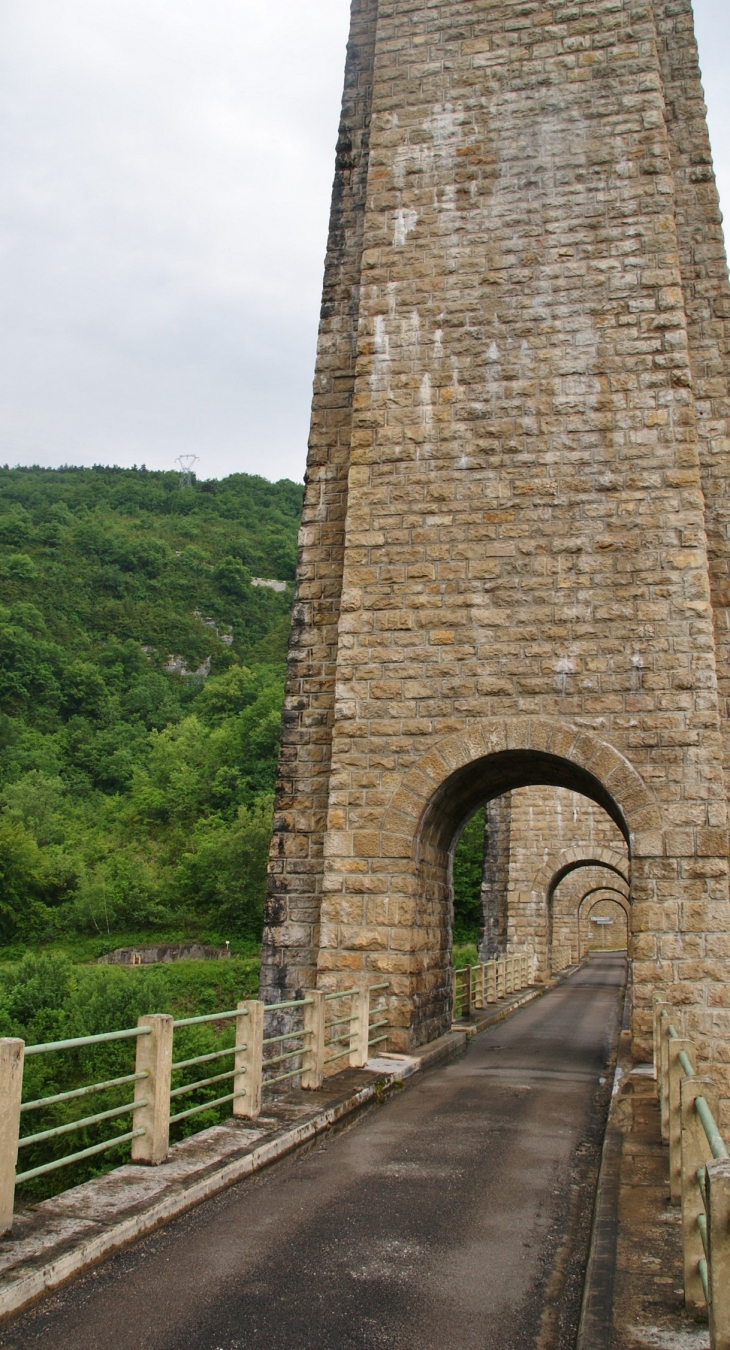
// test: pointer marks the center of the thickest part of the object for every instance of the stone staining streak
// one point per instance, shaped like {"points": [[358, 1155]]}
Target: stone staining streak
{"points": [[687, 170], [519, 407], [291, 935]]}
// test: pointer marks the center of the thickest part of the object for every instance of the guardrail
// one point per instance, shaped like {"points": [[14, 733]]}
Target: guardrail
{"points": [[489, 981], [560, 958], [334, 1027], [699, 1172]]}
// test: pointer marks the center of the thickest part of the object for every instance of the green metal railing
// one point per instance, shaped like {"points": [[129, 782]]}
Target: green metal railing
{"points": [[296, 1052], [344, 1039], [373, 1013], [698, 1171], [489, 981], [180, 1065], [306, 1052], [68, 1127]]}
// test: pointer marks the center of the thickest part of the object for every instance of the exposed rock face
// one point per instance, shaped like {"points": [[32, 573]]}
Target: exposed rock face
{"points": [[163, 951]]}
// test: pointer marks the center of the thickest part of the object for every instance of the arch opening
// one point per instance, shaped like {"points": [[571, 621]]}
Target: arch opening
{"points": [[609, 914], [519, 918], [482, 779], [567, 892]]}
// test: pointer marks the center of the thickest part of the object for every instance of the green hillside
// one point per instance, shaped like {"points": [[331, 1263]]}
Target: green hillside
{"points": [[141, 678]]}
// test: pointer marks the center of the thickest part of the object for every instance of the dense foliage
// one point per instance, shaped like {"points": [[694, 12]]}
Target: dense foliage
{"points": [[141, 678], [467, 876], [47, 998]]}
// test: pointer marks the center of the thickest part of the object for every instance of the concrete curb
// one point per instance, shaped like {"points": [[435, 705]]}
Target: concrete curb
{"points": [[595, 1331], [61, 1237]]}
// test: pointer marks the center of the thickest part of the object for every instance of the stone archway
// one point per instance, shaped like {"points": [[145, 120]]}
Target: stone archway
{"points": [[541, 900], [610, 900], [386, 906]]}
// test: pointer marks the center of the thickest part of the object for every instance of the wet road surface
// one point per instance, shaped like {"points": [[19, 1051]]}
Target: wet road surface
{"points": [[456, 1216]]}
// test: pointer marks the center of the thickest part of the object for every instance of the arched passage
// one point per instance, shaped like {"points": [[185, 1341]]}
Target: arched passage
{"points": [[387, 900], [603, 902], [561, 901]]}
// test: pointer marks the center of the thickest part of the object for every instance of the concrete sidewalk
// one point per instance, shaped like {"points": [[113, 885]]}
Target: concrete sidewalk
{"points": [[634, 1295]]}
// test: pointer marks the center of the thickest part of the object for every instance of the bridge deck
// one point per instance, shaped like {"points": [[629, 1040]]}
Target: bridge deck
{"points": [[457, 1215]]}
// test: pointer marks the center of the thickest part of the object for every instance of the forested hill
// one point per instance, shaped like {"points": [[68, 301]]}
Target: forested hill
{"points": [[141, 677]]}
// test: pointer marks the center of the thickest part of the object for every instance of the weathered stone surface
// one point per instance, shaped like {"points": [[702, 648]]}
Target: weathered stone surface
{"points": [[514, 563]]}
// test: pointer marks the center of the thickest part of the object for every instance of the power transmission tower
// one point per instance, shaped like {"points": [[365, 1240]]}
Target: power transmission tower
{"points": [[186, 463]]}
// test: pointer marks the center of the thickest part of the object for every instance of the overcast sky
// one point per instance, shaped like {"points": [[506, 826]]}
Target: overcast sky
{"points": [[166, 169]]}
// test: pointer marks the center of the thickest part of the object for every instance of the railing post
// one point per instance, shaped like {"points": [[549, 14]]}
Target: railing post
{"points": [[509, 974], [360, 1028], [491, 981], [479, 985], [717, 1186], [154, 1058], [676, 1074], [313, 1072], [466, 994], [248, 1063], [500, 977], [659, 1005], [695, 1150], [664, 1022], [12, 1050]]}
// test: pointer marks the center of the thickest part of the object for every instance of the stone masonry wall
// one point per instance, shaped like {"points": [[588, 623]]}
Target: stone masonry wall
{"points": [[526, 596], [291, 935]]}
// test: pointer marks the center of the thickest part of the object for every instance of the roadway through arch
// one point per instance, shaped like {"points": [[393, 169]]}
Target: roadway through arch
{"points": [[457, 1214]]}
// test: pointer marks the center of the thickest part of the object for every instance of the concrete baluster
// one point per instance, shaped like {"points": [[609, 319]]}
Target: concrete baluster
{"points": [[479, 985], [248, 1063], [664, 1023], [466, 993], [491, 981], [509, 974], [12, 1050], [360, 1028], [314, 1009], [717, 1185], [676, 1074], [659, 1004], [695, 1152], [154, 1058]]}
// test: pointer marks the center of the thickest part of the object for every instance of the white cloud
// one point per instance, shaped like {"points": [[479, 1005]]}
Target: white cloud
{"points": [[166, 170]]}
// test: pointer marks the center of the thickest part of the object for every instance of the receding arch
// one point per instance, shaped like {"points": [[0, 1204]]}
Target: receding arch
{"points": [[554, 870], [462, 771], [623, 901], [590, 901]]}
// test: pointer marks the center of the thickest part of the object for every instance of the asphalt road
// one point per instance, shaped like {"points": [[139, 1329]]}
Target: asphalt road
{"points": [[456, 1216]]}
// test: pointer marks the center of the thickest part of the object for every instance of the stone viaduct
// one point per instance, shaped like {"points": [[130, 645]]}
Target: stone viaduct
{"points": [[513, 572]]}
